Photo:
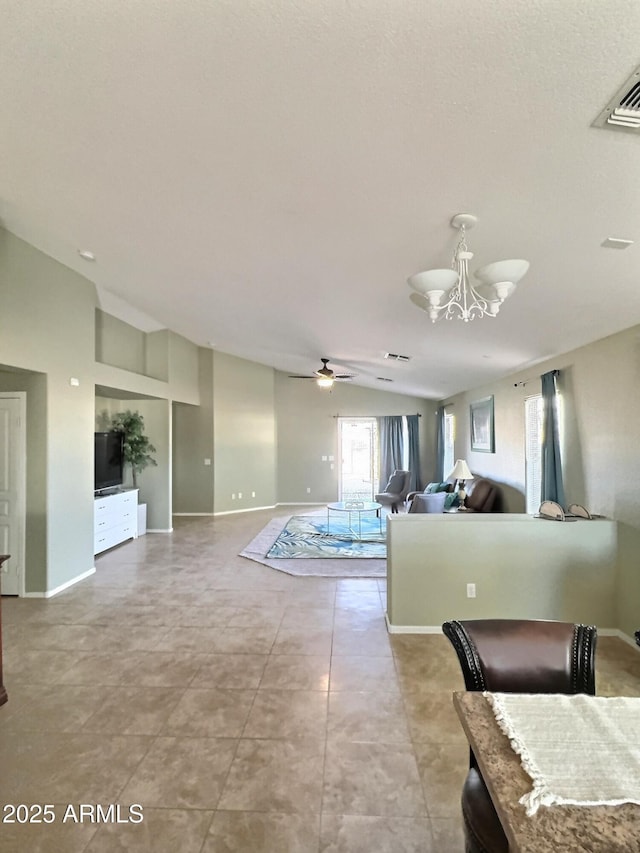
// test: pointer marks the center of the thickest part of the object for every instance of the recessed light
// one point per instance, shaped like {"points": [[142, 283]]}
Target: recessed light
{"points": [[616, 243], [86, 255]]}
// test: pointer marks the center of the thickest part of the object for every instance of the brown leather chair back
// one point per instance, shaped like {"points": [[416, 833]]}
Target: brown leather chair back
{"points": [[525, 655]]}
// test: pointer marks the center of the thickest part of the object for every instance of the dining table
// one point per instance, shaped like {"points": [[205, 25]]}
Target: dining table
{"points": [[560, 828]]}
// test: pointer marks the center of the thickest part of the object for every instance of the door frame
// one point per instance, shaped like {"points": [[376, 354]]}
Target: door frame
{"points": [[20, 433]]}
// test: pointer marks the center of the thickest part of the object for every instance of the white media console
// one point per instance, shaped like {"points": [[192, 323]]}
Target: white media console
{"points": [[115, 519]]}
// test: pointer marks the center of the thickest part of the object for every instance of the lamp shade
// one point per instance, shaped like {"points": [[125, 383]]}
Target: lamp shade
{"points": [[460, 471]]}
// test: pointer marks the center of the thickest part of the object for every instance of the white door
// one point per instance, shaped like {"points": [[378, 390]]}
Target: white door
{"points": [[12, 491]]}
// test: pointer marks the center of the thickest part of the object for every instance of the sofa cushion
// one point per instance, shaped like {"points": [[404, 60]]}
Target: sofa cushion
{"points": [[451, 500]]}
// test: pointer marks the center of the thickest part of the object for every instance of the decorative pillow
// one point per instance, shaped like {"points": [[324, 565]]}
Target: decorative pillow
{"points": [[395, 484], [433, 488], [451, 500]]}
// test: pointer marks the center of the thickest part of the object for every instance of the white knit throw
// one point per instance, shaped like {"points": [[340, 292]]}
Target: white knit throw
{"points": [[578, 750]]}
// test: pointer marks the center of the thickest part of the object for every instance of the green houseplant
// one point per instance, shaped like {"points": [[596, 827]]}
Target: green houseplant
{"points": [[138, 449]]}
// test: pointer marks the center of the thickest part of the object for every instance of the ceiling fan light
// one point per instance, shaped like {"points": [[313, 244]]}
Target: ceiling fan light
{"points": [[324, 382], [428, 280]]}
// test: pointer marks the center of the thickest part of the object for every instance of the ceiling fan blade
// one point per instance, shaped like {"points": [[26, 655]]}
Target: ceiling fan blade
{"points": [[343, 377], [301, 377]]}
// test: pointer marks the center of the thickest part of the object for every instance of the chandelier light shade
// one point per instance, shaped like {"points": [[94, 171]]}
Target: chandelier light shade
{"points": [[449, 293]]}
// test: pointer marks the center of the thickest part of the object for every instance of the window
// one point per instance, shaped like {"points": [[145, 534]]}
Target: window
{"points": [[449, 439], [533, 408]]}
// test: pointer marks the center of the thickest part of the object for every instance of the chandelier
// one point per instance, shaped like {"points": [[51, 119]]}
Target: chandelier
{"points": [[449, 293]]}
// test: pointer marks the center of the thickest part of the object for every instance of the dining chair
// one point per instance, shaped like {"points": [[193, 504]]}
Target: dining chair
{"points": [[515, 656]]}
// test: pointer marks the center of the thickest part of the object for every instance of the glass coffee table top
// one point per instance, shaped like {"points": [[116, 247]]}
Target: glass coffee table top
{"points": [[357, 507]]}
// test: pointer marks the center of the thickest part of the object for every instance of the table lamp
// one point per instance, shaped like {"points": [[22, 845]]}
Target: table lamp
{"points": [[461, 473]]}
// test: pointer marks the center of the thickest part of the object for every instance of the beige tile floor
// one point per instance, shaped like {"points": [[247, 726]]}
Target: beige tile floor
{"points": [[244, 709]]}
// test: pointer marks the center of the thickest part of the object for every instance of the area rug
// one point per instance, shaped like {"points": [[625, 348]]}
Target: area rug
{"points": [[311, 551]]}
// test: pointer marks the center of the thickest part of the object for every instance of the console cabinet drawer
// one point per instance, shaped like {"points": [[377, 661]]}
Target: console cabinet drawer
{"points": [[115, 519]]}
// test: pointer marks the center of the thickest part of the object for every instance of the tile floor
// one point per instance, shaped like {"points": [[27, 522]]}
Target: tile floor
{"points": [[244, 709]]}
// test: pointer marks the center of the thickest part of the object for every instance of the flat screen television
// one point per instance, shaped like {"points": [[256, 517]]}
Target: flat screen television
{"points": [[109, 460]]}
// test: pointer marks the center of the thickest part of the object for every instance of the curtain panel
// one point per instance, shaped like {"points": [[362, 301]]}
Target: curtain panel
{"points": [[413, 439], [390, 434], [552, 485]]}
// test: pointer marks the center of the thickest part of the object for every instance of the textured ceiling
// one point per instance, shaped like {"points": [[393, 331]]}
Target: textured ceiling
{"points": [[263, 176]]}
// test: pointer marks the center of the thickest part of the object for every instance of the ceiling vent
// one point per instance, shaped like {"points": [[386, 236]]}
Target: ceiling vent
{"points": [[623, 111], [383, 379], [393, 356]]}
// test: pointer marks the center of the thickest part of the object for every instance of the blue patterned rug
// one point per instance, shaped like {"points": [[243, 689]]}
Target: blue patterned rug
{"points": [[317, 561], [307, 537]]}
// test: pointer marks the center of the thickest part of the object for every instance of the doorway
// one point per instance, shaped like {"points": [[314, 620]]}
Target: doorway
{"points": [[12, 489], [358, 447]]}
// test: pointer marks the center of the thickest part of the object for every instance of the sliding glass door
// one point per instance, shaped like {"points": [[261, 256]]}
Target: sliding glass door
{"points": [[358, 459]]}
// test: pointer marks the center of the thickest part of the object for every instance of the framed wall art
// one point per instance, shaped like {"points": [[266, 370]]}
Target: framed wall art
{"points": [[481, 419]]}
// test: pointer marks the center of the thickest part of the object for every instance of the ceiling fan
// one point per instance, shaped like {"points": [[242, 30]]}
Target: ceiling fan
{"points": [[325, 377]]}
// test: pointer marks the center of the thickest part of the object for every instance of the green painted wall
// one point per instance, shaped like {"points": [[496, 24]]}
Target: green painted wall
{"points": [[119, 344], [47, 325], [244, 431], [308, 430], [193, 481], [523, 568]]}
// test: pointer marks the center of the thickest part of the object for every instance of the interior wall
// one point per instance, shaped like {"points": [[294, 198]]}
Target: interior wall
{"points": [[47, 326], [193, 479], [244, 425], [307, 419], [598, 384], [119, 344]]}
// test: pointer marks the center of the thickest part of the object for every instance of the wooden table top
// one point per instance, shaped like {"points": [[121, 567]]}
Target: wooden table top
{"points": [[555, 829]]}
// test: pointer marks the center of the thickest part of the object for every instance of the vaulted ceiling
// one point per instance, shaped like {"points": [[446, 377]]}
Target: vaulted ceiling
{"points": [[263, 176]]}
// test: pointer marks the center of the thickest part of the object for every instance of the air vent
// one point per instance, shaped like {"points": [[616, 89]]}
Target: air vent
{"points": [[393, 356], [623, 111], [383, 379]]}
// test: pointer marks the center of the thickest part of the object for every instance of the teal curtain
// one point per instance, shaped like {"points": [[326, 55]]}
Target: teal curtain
{"points": [[440, 473], [413, 438], [552, 485], [390, 437]]}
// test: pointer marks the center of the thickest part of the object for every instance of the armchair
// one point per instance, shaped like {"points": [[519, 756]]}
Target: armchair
{"points": [[396, 490]]}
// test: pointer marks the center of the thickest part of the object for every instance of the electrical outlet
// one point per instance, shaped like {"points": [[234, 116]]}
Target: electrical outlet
{"points": [[471, 590], [308, 490], [239, 496], [233, 497], [253, 494]]}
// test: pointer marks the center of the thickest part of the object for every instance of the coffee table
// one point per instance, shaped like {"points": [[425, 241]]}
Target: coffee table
{"points": [[356, 507]]}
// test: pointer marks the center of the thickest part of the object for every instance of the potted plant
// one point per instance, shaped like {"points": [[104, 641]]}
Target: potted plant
{"points": [[137, 451]]}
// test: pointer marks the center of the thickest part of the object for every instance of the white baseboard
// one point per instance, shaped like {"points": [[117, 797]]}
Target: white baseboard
{"points": [[168, 530], [246, 509], [192, 514], [411, 629], [51, 592], [302, 503], [437, 629]]}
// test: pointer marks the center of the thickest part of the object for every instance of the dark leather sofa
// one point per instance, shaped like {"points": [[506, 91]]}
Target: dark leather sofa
{"points": [[482, 496]]}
